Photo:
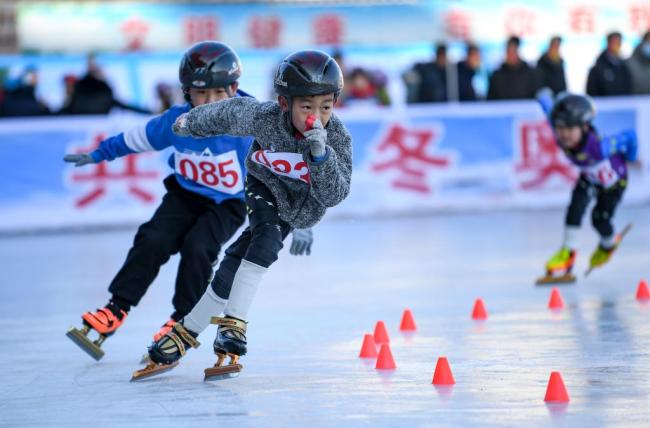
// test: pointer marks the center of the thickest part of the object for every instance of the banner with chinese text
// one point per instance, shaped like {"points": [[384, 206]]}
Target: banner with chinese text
{"points": [[439, 157]]}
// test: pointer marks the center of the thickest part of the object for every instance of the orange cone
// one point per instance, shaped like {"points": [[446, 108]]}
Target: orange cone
{"points": [[555, 302], [385, 359], [642, 292], [442, 375], [369, 348], [556, 391], [479, 312], [408, 323], [381, 335]]}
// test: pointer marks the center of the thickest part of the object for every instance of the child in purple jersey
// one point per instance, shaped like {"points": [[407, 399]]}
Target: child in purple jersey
{"points": [[602, 162]]}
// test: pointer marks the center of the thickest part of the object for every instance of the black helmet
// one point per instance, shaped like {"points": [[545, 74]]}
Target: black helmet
{"points": [[572, 110], [209, 65], [308, 72]]}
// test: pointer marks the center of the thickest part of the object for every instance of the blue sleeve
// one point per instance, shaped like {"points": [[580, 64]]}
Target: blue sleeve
{"points": [[159, 129], [624, 143], [111, 148]]}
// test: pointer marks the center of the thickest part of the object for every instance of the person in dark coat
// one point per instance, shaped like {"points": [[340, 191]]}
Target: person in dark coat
{"points": [[639, 66], [467, 69], [20, 97], [515, 79], [550, 67], [610, 76], [93, 95], [427, 81]]}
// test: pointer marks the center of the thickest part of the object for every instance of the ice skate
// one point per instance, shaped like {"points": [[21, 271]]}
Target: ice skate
{"points": [[601, 255], [104, 321], [166, 328], [558, 268], [165, 353], [230, 342]]}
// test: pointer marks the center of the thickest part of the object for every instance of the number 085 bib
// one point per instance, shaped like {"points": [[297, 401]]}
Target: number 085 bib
{"points": [[221, 173]]}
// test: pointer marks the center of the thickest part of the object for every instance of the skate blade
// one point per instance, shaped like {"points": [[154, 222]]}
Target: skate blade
{"points": [[222, 372], [151, 370], [556, 280], [145, 359], [82, 341]]}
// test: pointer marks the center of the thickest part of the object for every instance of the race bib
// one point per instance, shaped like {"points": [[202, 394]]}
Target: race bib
{"points": [[221, 173], [602, 173], [283, 163]]}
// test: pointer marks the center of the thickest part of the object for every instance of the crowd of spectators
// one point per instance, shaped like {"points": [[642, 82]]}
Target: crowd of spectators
{"points": [[84, 95], [439, 81]]}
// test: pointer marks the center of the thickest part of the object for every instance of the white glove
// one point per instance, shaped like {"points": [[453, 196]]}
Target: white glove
{"points": [[317, 138], [301, 242], [79, 159], [180, 126]]}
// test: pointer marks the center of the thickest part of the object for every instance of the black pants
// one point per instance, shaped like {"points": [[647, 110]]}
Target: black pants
{"points": [[184, 222], [606, 202], [260, 243]]}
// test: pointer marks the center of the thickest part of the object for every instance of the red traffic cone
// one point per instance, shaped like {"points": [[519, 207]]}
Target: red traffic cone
{"points": [[556, 391], [442, 375], [407, 323], [555, 302], [368, 348], [381, 335], [479, 312], [642, 292], [385, 359]]}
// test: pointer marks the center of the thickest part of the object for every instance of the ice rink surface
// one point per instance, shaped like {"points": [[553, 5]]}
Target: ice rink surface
{"points": [[309, 318]]}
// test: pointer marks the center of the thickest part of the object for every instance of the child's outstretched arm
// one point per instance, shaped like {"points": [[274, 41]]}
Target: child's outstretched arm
{"points": [[147, 137], [624, 143], [234, 116]]}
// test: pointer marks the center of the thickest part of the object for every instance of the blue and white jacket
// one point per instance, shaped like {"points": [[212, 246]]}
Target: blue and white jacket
{"points": [[213, 167]]}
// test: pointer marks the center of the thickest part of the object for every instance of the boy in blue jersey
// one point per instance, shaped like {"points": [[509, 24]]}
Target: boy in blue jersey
{"points": [[202, 209], [602, 162]]}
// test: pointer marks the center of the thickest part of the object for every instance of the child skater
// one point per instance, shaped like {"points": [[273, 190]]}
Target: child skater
{"points": [[603, 176], [300, 164], [202, 209]]}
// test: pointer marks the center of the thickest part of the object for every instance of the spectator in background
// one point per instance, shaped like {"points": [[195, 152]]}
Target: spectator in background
{"points": [[20, 96], [365, 87], [467, 69], [515, 79], [550, 67], [639, 66], [165, 95], [609, 75], [69, 80], [93, 95], [426, 82]]}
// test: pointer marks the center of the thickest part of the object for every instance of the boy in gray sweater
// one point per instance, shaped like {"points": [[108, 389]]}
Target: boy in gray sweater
{"points": [[299, 165]]}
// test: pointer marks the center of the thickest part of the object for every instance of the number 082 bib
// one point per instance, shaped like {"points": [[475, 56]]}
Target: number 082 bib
{"points": [[221, 173]]}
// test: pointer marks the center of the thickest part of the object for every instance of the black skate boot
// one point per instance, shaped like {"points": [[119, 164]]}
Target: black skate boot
{"points": [[231, 342], [166, 352]]}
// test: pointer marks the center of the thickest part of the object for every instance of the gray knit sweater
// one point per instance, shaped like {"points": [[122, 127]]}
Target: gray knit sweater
{"points": [[301, 202]]}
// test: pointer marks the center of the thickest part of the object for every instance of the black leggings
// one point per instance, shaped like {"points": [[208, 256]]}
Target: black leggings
{"points": [[606, 202], [260, 243], [184, 222]]}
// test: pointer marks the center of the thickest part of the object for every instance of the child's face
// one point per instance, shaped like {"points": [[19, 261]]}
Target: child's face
{"points": [[319, 105], [568, 136], [200, 96]]}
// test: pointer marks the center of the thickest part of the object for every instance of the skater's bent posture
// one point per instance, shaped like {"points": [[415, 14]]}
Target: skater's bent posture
{"points": [[204, 204], [603, 175], [299, 165]]}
